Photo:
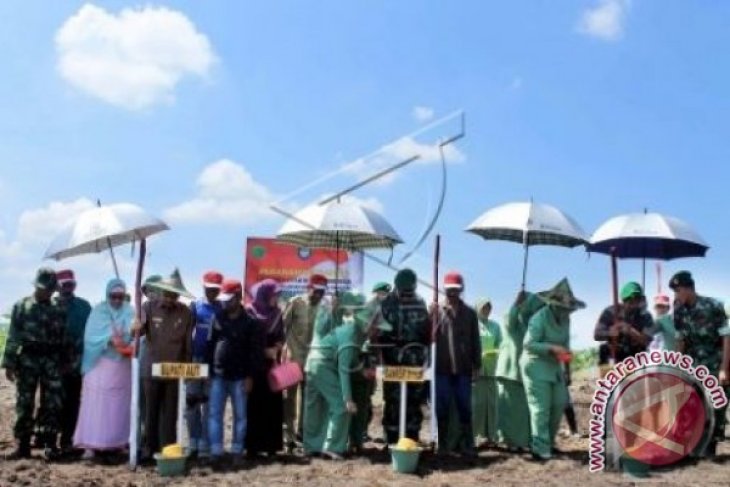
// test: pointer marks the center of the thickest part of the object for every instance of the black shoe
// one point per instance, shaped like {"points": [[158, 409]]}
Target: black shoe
{"points": [[22, 452], [217, 463], [539, 459], [52, 454]]}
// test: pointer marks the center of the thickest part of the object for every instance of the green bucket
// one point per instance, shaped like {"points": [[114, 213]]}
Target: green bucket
{"points": [[634, 467], [405, 461], [170, 467]]}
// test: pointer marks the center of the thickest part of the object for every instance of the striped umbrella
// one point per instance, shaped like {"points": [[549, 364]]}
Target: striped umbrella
{"points": [[339, 225], [530, 224]]}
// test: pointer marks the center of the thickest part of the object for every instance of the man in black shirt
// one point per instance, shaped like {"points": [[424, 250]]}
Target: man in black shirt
{"points": [[626, 334]]}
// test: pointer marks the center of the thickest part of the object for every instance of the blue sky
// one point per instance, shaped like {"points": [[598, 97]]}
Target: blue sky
{"points": [[597, 107]]}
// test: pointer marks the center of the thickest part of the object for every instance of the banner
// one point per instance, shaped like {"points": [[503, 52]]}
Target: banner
{"points": [[291, 266]]}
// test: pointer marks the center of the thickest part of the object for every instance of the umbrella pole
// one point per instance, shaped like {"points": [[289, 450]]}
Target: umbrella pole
{"points": [[616, 308], [643, 274], [524, 264], [337, 261], [111, 249], [434, 330], [134, 406]]}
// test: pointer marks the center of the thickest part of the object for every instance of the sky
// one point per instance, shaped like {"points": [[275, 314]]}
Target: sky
{"points": [[204, 113]]}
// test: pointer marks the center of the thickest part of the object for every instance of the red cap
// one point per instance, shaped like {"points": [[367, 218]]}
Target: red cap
{"points": [[453, 280], [229, 289], [318, 281], [662, 300], [212, 279], [65, 276]]}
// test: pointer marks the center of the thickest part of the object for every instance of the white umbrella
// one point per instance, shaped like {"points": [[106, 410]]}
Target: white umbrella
{"points": [[100, 229], [528, 223], [338, 225], [345, 225]]}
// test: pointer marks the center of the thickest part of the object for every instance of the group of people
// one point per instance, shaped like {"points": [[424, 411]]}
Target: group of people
{"points": [[697, 327], [494, 384]]}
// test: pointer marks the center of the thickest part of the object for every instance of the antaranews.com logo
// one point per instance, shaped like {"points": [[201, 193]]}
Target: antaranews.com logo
{"points": [[654, 407]]}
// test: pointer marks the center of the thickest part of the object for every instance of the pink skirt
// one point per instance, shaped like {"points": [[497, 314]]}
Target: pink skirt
{"points": [[103, 422]]}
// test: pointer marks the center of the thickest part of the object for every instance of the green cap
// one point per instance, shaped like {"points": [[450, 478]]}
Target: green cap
{"points": [[682, 279], [630, 290], [46, 279], [381, 286], [405, 280]]}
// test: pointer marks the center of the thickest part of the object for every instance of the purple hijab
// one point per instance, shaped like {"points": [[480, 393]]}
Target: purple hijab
{"points": [[261, 308]]}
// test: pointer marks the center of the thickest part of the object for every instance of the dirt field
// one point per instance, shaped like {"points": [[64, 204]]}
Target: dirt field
{"points": [[494, 467]]}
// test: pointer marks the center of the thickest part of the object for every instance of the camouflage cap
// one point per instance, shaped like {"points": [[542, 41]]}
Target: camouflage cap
{"points": [[46, 279], [405, 280], [682, 279]]}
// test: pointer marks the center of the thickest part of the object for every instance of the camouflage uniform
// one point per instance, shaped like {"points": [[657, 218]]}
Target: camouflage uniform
{"points": [[363, 382], [403, 340], [702, 326], [37, 352]]}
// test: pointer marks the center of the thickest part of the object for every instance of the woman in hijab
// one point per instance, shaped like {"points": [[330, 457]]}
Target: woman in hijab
{"points": [[513, 425], [484, 397], [546, 349], [103, 422], [266, 407]]}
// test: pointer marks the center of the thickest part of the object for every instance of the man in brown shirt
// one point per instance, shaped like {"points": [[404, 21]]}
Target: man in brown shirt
{"points": [[299, 317], [168, 328]]}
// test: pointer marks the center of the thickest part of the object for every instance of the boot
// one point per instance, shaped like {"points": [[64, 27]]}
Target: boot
{"points": [[443, 443], [22, 450], [467, 441], [51, 453]]}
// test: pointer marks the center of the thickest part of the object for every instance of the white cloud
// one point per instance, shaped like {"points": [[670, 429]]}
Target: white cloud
{"points": [[21, 256], [398, 151], [423, 114], [133, 59], [606, 20], [227, 193], [42, 224]]}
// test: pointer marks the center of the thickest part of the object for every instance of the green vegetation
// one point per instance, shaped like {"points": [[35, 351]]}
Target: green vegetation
{"points": [[584, 359], [4, 323]]}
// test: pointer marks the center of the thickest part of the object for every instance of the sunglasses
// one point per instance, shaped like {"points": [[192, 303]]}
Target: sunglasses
{"points": [[117, 297]]}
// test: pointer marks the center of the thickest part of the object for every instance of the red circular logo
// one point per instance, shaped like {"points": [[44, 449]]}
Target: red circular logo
{"points": [[659, 418]]}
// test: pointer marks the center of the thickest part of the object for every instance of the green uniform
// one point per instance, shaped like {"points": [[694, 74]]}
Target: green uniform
{"points": [[703, 326], [363, 381], [513, 424], [484, 396], [299, 317], [328, 388], [403, 338], [547, 393], [77, 312], [37, 351]]}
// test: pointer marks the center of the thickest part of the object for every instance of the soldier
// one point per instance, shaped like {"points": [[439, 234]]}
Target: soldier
{"points": [[77, 312], [403, 338], [299, 317], [704, 335], [362, 377], [36, 353]]}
